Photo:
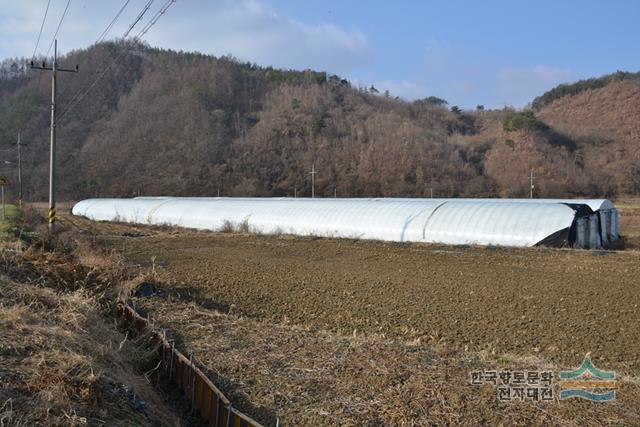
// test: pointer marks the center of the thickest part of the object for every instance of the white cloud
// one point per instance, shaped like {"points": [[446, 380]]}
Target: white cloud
{"points": [[20, 23], [251, 31], [518, 86], [246, 29]]}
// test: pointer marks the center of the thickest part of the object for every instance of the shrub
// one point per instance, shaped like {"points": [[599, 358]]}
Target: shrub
{"points": [[522, 120], [432, 100]]}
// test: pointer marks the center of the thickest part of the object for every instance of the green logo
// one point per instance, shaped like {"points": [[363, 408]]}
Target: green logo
{"points": [[588, 382]]}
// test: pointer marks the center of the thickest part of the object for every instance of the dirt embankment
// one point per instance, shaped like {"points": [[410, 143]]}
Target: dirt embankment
{"points": [[63, 360]]}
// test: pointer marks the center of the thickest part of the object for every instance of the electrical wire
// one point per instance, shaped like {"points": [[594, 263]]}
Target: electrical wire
{"points": [[113, 21], [66, 8], [110, 56], [104, 34], [38, 42], [46, 11], [155, 18], [79, 96], [140, 15]]}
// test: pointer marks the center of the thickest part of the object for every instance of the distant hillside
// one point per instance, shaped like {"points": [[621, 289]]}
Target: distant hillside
{"points": [[162, 122], [605, 125], [580, 86]]}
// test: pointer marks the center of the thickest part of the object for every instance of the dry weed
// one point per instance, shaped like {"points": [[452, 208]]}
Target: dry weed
{"points": [[61, 359], [306, 376]]}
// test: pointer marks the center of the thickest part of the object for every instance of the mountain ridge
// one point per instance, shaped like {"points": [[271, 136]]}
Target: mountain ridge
{"points": [[165, 122]]}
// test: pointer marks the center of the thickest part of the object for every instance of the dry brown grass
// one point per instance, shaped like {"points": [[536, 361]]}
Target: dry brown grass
{"points": [[312, 377], [62, 359], [629, 208], [63, 362], [229, 227]]}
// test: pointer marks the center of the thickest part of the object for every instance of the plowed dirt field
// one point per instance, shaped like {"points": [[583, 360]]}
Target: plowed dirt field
{"points": [[485, 306]]}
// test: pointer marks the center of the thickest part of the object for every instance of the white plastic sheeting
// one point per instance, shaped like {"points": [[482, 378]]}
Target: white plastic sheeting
{"points": [[601, 226], [448, 221], [594, 204]]}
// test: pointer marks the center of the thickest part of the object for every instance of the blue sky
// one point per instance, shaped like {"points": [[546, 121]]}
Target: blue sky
{"points": [[489, 52]]}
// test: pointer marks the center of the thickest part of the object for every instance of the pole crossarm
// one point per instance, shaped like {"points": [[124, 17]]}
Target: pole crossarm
{"points": [[44, 67]]}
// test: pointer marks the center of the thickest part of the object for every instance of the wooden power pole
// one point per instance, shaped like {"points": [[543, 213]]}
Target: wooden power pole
{"points": [[313, 180], [531, 186], [19, 171], [52, 149]]}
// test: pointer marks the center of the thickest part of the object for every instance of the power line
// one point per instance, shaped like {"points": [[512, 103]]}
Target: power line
{"points": [[113, 21], [138, 19], [155, 18], [101, 37], [38, 42], [66, 8], [83, 92], [79, 96], [46, 11]]}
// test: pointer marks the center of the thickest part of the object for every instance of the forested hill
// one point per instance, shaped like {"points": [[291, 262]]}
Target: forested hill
{"points": [[174, 123]]}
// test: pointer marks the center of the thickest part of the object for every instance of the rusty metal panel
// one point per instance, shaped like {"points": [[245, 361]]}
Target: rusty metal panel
{"points": [[186, 371], [182, 369], [212, 405], [226, 416], [197, 386], [215, 415], [205, 409]]}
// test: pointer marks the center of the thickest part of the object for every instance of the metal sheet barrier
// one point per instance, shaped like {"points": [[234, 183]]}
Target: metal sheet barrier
{"points": [[212, 407]]}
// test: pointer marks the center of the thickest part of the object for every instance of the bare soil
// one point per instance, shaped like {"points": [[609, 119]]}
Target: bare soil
{"points": [[556, 304], [328, 331], [310, 377]]}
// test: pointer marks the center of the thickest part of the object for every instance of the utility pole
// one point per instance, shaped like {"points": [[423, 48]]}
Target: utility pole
{"points": [[19, 171], [52, 149], [531, 188], [313, 180]]}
